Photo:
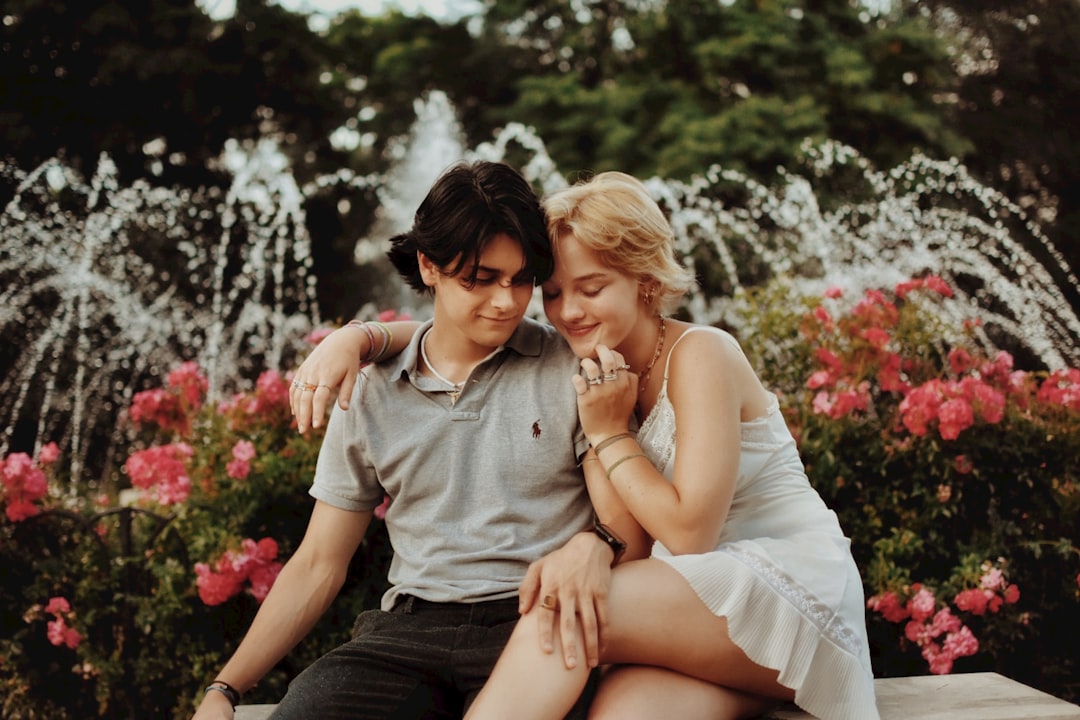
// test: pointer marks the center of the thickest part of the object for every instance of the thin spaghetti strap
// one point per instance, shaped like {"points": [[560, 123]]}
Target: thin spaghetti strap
{"points": [[692, 328]]}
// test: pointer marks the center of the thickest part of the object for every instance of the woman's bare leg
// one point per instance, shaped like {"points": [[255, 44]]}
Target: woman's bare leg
{"points": [[654, 618], [641, 692]]}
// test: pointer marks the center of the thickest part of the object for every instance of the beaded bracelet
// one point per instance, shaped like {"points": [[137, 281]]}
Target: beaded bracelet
{"points": [[225, 689]]}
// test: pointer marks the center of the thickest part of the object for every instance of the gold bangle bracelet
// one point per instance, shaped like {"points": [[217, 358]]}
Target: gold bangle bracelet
{"points": [[621, 460], [613, 439]]}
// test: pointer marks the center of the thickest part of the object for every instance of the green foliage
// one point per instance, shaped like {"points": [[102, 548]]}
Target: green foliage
{"points": [[929, 506]]}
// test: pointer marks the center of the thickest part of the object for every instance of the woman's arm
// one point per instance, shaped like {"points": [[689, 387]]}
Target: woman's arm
{"points": [[706, 381], [612, 511], [337, 360]]}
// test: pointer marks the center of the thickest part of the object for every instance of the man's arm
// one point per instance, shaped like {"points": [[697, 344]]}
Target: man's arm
{"points": [[303, 590]]}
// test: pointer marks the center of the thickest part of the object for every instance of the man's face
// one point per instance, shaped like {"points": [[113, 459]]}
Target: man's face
{"points": [[487, 313]]}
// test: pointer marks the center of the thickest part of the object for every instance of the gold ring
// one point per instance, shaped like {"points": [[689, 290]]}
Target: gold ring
{"points": [[309, 386], [549, 603]]}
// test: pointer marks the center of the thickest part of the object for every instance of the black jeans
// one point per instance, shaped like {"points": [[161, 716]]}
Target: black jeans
{"points": [[420, 661]]}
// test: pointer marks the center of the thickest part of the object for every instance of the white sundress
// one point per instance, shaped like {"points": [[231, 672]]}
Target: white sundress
{"points": [[782, 573]]}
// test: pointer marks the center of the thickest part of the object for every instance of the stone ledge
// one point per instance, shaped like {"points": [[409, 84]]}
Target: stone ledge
{"points": [[970, 696]]}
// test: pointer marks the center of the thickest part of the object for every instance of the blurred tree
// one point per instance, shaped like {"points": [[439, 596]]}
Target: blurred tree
{"points": [[155, 83], [671, 88], [1019, 100]]}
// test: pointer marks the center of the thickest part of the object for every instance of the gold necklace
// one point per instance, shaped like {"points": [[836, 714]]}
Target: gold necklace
{"points": [[656, 355]]}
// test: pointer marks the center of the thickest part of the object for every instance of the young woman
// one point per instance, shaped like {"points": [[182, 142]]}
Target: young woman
{"points": [[751, 595]]}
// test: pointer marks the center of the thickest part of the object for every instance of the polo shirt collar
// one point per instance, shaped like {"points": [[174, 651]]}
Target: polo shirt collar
{"points": [[527, 340]]}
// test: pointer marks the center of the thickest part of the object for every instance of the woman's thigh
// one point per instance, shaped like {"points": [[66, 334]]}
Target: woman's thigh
{"points": [[655, 618], [633, 692]]}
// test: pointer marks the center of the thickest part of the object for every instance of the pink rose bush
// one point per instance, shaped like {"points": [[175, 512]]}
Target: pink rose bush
{"points": [[24, 482], [255, 564], [937, 453], [187, 537]]}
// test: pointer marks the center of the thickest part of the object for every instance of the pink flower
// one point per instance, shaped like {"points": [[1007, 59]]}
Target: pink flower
{"points": [[162, 468], [821, 378], [256, 563], [922, 605], [238, 469], [215, 587], [834, 292], [56, 629], [243, 452], [954, 416], [935, 283], [961, 643], [971, 600], [317, 335], [876, 337], [889, 606], [24, 483], [58, 606], [60, 634], [992, 579], [962, 464], [189, 384], [48, 454], [960, 361]]}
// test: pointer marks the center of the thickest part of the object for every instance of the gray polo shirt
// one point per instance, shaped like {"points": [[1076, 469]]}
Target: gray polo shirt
{"points": [[479, 489]]}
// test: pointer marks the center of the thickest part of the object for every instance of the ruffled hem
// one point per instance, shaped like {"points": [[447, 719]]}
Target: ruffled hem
{"points": [[815, 651]]}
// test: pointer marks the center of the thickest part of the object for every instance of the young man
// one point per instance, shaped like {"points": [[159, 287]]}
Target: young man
{"points": [[470, 434]]}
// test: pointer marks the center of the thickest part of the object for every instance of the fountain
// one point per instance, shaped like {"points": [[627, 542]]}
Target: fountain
{"points": [[105, 288]]}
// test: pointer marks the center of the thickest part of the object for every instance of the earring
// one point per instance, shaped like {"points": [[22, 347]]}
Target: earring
{"points": [[647, 295]]}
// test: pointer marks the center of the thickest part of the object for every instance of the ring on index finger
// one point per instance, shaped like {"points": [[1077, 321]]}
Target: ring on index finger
{"points": [[611, 376], [550, 602]]}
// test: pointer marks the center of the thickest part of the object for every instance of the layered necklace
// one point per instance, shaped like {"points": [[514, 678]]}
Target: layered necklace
{"points": [[644, 377], [455, 388]]}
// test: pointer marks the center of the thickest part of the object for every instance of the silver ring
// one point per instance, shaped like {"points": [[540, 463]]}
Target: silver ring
{"points": [[610, 376], [594, 381], [624, 366], [297, 383], [324, 385]]}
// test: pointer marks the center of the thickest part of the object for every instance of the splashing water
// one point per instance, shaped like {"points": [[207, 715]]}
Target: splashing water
{"points": [[108, 288], [105, 289], [922, 217]]}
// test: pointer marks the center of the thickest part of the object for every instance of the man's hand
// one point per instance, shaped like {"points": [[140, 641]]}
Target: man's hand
{"points": [[214, 706], [574, 580]]}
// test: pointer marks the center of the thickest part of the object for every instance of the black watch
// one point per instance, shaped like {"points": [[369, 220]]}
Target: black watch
{"points": [[614, 541]]}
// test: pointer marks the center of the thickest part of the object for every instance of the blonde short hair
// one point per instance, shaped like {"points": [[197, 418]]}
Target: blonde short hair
{"points": [[614, 215]]}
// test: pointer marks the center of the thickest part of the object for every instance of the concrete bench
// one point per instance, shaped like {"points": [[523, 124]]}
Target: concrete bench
{"points": [[971, 696]]}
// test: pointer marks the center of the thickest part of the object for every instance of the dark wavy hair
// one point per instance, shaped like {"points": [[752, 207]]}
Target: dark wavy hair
{"points": [[468, 205]]}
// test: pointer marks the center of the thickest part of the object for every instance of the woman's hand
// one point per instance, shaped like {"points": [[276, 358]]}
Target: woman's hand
{"points": [[334, 361], [607, 393]]}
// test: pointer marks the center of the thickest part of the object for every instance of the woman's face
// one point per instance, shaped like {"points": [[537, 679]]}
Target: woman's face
{"points": [[588, 302]]}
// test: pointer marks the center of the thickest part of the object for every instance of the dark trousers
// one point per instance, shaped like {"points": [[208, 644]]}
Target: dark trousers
{"points": [[420, 661]]}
